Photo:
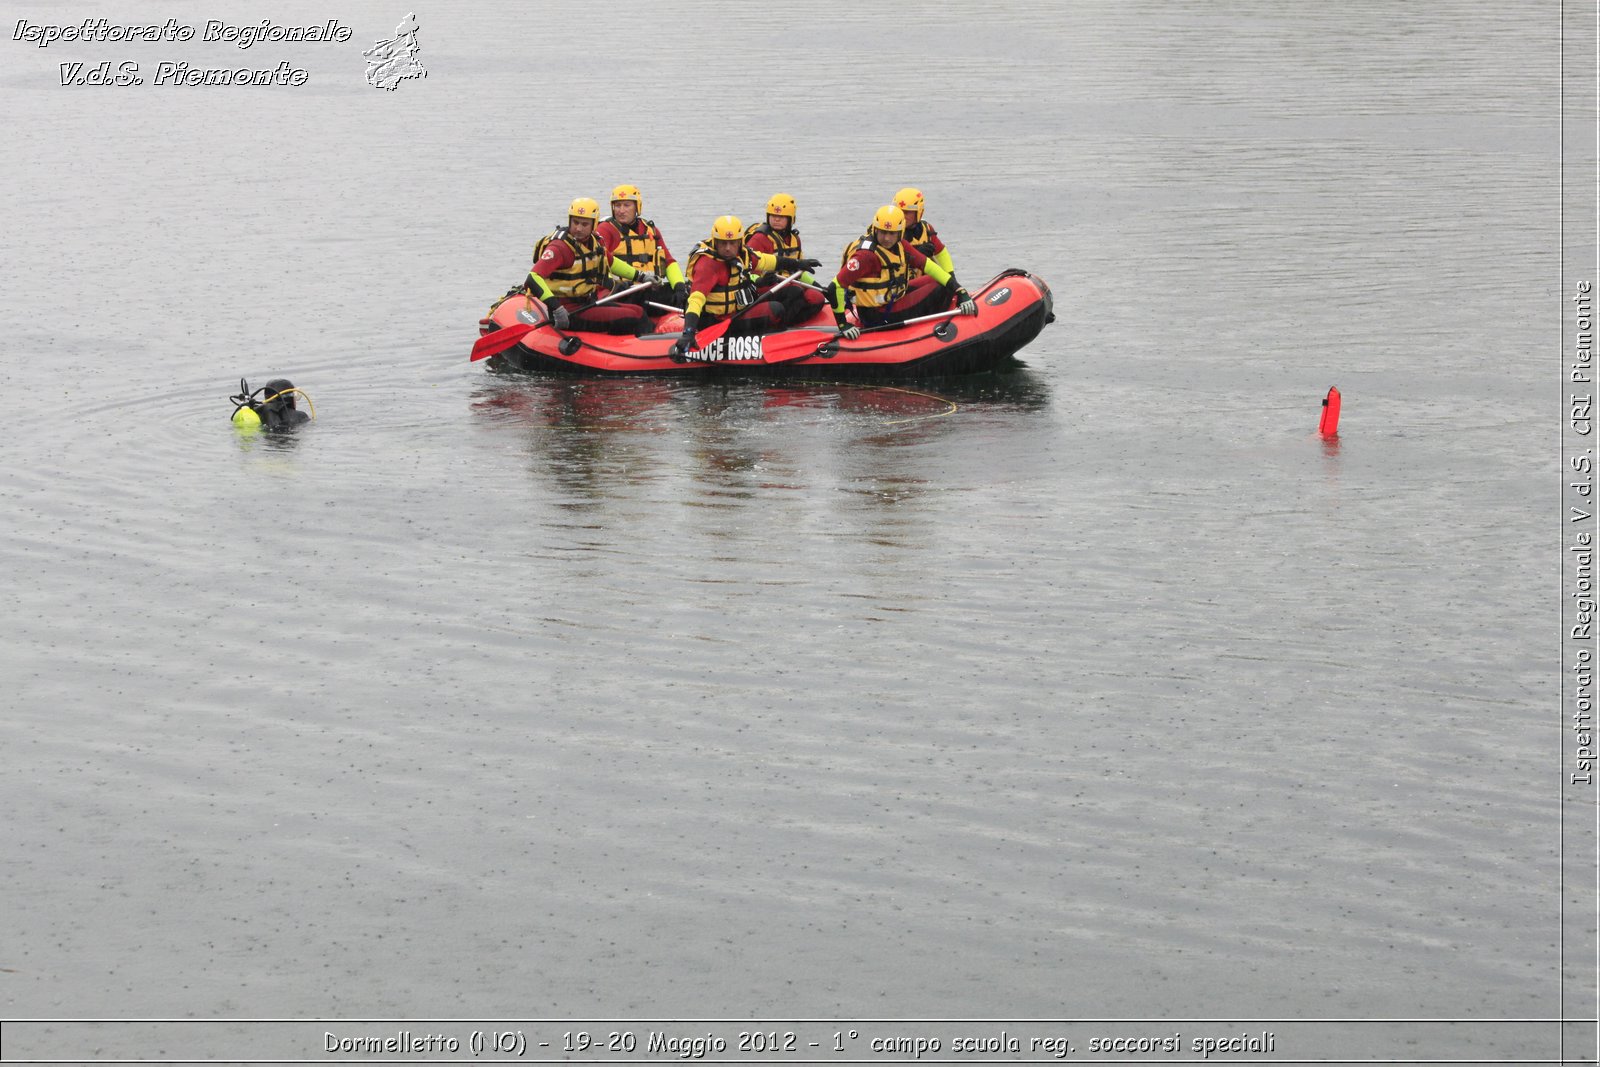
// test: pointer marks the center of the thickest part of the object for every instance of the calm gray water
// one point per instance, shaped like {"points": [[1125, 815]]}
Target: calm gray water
{"points": [[1104, 689]]}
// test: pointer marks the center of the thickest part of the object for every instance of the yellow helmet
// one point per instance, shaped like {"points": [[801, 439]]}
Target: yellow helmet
{"points": [[585, 207], [909, 199], [781, 204], [727, 228], [629, 192], [889, 218]]}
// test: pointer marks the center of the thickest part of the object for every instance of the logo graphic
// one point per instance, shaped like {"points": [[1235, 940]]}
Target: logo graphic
{"points": [[999, 296], [393, 61]]}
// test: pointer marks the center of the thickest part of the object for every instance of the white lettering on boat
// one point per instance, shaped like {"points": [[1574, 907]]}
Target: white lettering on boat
{"points": [[728, 350]]}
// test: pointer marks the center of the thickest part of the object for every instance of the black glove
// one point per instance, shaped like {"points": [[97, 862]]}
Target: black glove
{"points": [[789, 263], [680, 294], [686, 339], [960, 298], [559, 317]]}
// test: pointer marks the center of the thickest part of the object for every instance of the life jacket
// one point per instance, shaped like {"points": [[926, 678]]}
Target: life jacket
{"points": [[733, 294], [780, 246], [889, 284], [584, 275], [850, 246], [921, 237], [640, 249]]}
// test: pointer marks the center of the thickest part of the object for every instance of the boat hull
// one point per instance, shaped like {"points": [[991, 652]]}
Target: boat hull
{"points": [[1012, 309]]}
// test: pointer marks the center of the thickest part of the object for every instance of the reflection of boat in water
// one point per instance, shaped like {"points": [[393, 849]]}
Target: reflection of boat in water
{"points": [[1014, 388], [616, 403], [1012, 309], [623, 446], [638, 404]]}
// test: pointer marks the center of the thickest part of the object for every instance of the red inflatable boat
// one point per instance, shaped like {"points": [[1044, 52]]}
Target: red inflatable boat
{"points": [[1012, 309]]}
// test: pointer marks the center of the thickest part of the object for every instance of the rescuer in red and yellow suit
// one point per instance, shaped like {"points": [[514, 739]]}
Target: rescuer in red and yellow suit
{"points": [[920, 233], [722, 273], [632, 238], [779, 236], [571, 268], [876, 274]]}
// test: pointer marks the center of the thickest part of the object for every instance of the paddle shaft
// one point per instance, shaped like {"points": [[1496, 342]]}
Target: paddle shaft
{"points": [[615, 296], [787, 278], [911, 322]]}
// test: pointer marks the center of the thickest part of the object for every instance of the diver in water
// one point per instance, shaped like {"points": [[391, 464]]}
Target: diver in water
{"points": [[273, 409]]}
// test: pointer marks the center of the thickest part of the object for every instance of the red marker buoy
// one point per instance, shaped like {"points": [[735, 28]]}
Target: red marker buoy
{"points": [[1329, 426]]}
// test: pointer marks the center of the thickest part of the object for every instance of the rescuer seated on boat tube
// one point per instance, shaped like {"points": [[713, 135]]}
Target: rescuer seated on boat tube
{"points": [[630, 237], [571, 268], [779, 236], [876, 274], [722, 273], [920, 233]]}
